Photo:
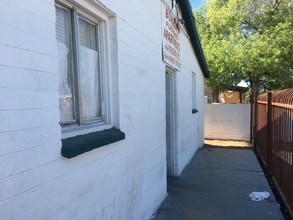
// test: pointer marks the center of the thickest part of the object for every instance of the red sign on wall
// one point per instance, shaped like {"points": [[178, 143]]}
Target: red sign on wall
{"points": [[170, 38]]}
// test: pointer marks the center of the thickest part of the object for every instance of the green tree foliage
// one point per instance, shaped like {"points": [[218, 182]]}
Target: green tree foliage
{"points": [[247, 39]]}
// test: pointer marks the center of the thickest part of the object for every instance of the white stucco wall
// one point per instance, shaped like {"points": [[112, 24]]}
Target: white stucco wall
{"points": [[190, 132], [123, 180], [227, 121]]}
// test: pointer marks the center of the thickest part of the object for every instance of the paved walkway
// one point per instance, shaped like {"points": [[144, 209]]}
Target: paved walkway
{"points": [[215, 185]]}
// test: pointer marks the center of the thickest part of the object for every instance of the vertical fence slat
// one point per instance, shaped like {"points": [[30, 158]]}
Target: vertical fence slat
{"points": [[255, 122], [269, 135]]}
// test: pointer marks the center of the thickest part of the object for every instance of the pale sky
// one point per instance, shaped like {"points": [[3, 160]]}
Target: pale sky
{"points": [[196, 3]]}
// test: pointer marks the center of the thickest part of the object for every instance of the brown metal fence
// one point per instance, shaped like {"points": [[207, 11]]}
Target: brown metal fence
{"points": [[274, 139]]}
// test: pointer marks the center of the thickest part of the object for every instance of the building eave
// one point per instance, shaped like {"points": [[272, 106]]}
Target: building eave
{"points": [[193, 35]]}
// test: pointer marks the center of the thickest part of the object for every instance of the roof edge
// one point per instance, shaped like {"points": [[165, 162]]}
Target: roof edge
{"points": [[193, 35]]}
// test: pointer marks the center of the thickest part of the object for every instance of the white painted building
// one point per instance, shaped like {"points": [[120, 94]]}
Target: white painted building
{"points": [[97, 99]]}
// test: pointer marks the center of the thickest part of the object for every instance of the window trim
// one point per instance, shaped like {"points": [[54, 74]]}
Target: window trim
{"points": [[193, 93], [101, 21], [77, 139], [76, 72]]}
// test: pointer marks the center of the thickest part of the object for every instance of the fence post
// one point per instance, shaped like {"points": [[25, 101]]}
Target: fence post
{"points": [[269, 135], [251, 117], [255, 123]]}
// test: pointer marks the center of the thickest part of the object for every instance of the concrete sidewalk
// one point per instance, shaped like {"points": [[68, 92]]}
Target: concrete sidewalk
{"points": [[216, 185]]}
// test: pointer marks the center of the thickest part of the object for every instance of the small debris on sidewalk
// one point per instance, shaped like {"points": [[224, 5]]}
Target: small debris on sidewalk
{"points": [[259, 196]]}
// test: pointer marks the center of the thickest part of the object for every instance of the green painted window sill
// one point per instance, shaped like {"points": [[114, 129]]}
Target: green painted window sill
{"points": [[74, 146], [194, 111]]}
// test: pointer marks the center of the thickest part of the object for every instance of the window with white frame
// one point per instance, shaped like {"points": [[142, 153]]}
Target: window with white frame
{"points": [[193, 91], [81, 86], [86, 80]]}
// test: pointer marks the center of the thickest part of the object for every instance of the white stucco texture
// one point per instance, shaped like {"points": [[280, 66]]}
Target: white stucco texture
{"points": [[227, 121]]}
